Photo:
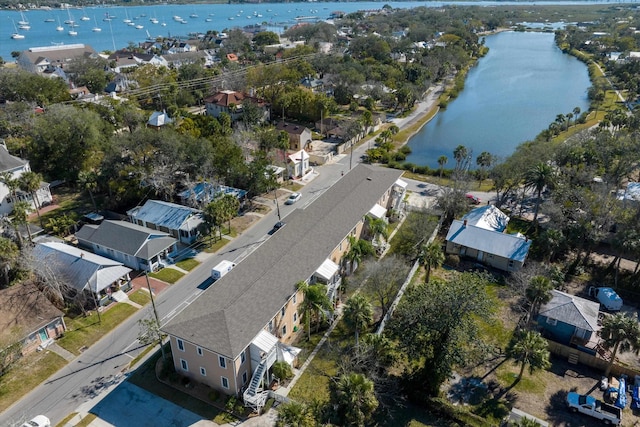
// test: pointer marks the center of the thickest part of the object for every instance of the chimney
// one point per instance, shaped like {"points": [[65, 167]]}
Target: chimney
{"points": [[464, 224]]}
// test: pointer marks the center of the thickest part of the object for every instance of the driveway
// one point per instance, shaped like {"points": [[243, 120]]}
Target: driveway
{"points": [[129, 405]]}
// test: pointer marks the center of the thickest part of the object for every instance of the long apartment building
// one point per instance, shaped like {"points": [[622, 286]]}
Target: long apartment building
{"points": [[232, 334]]}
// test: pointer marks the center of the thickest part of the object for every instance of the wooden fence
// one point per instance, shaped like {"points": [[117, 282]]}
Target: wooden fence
{"points": [[589, 360]]}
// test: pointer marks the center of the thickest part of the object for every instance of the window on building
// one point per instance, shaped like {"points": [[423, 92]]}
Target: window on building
{"points": [[243, 357], [222, 361], [203, 371], [295, 317], [552, 322], [244, 377], [180, 344], [295, 298], [511, 263], [270, 325], [282, 311], [184, 365], [225, 382], [284, 330], [199, 351]]}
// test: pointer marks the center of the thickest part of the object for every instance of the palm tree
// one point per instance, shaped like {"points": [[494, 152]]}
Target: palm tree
{"points": [[576, 114], [9, 254], [619, 333], [377, 227], [358, 314], [442, 160], [12, 184], [460, 153], [88, 181], [358, 250], [315, 303], [21, 217], [431, 256], [30, 182], [294, 414], [538, 293], [529, 348], [537, 178], [354, 398]]}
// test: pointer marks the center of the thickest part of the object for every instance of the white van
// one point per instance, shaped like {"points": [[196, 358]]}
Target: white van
{"points": [[221, 269], [607, 297]]}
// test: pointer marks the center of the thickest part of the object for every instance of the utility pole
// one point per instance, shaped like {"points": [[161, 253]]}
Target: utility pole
{"points": [[275, 197], [155, 312]]}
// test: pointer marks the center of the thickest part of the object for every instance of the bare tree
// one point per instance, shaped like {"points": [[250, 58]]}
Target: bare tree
{"points": [[383, 280]]}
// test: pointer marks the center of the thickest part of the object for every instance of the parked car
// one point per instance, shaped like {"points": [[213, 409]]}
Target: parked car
{"points": [[293, 198], [607, 297], [589, 405], [39, 421], [473, 199], [277, 226]]}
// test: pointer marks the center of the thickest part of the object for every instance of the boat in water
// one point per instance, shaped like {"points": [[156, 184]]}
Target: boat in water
{"points": [[16, 35], [96, 29]]}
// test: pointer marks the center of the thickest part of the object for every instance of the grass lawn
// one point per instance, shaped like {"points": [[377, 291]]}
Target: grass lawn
{"points": [[215, 246], [27, 374], [168, 275], [145, 377], [140, 297], [188, 264], [86, 420], [84, 331]]}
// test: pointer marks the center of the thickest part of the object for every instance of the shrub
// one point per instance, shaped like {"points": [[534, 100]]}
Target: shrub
{"points": [[405, 149], [452, 260], [232, 401], [282, 370]]}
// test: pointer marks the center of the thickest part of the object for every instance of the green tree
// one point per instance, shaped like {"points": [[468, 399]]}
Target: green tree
{"points": [[88, 180], [484, 160], [442, 160], [431, 256], [295, 414], [354, 399], [619, 332], [31, 182], [436, 328], [264, 38], [21, 217], [537, 179], [460, 153], [12, 184], [315, 304], [529, 348], [538, 293], [358, 251], [9, 255], [358, 315], [282, 370]]}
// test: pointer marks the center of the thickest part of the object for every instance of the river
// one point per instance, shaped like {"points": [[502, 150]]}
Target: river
{"points": [[510, 96]]}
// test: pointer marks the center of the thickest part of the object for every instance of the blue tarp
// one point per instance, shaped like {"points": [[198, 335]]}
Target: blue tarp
{"points": [[635, 397]]}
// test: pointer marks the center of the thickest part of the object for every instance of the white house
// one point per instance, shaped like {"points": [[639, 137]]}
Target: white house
{"points": [[15, 167], [298, 163], [179, 221]]}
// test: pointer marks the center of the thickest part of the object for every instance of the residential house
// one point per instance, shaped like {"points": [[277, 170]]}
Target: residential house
{"points": [[82, 270], [181, 222], [159, 119], [44, 59], [298, 164], [481, 235], [231, 102], [570, 320], [27, 316], [230, 336], [314, 84], [630, 196], [299, 136], [284, 45], [15, 167], [137, 247], [202, 193]]}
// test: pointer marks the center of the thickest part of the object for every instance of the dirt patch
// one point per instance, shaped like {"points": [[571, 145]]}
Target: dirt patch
{"points": [[241, 223]]}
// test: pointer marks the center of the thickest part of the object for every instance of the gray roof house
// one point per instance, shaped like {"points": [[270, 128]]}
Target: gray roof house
{"points": [[570, 319], [260, 294], [480, 235], [81, 270], [181, 222], [43, 59], [137, 247]]}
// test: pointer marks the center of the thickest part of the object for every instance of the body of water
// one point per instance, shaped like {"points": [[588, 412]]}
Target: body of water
{"points": [[116, 33], [512, 94]]}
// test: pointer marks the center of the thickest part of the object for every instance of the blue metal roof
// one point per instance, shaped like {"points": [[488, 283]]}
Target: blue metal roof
{"points": [[205, 192], [163, 214]]}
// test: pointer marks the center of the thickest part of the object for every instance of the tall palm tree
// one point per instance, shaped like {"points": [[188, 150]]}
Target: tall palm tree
{"points": [[442, 160], [538, 293], [21, 217], [315, 303], [431, 256], [529, 348], [537, 178], [619, 333], [354, 398], [357, 315], [377, 227], [460, 153], [576, 115], [89, 181], [30, 182]]}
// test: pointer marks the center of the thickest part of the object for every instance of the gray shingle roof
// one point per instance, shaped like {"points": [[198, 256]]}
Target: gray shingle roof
{"points": [[9, 162], [128, 238], [572, 310], [228, 315]]}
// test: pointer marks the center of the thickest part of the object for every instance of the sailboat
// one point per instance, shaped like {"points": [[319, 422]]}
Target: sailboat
{"points": [[59, 27], [23, 20], [96, 29], [69, 21], [16, 35], [84, 16], [72, 32], [126, 20]]}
